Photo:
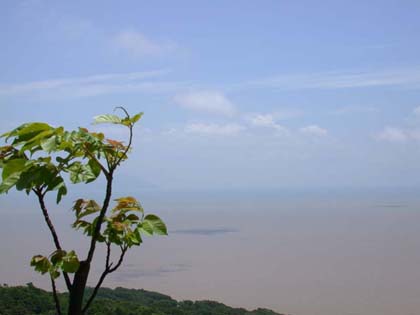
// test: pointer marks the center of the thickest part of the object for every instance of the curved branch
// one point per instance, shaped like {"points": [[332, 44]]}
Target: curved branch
{"points": [[130, 126], [108, 269], [130, 140], [47, 219], [108, 193]]}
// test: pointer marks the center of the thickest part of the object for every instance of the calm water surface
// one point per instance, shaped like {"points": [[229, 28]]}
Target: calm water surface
{"points": [[302, 254]]}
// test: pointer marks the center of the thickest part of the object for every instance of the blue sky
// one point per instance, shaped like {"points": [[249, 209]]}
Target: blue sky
{"points": [[241, 95]]}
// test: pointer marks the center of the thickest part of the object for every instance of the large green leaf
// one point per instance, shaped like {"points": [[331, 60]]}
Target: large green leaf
{"points": [[157, 224], [107, 118], [27, 131], [146, 228], [82, 173], [13, 166]]}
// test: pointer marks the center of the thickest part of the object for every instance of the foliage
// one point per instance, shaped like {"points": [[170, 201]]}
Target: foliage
{"points": [[42, 159], [120, 301]]}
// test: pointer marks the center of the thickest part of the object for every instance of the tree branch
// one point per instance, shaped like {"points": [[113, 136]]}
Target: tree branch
{"points": [[120, 260], [101, 216], [108, 269], [130, 139], [47, 219], [93, 157], [56, 300]]}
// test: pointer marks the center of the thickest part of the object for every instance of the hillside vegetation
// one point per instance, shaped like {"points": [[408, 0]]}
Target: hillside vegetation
{"points": [[29, 300]]}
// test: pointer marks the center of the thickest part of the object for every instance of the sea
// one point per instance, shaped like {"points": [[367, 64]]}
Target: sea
{"points": [[301, 252]]}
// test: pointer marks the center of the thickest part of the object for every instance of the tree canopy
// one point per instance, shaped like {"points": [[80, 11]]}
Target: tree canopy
{"points": [[42, 159]]}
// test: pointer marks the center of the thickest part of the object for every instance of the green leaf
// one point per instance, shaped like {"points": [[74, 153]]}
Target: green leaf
{"points": [[146, 228], [27, 132], [82, 224], [136, 118], [94, 170], [9, 183], [57, 256], [133, 238], [70, 262], [157, 224], [13, 166], [107, 118], [62, 191], [90, 207], [82, 172], [49, 144], [54, 273], [40, 263]]}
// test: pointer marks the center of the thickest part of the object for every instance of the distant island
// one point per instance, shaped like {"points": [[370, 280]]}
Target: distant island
{"points": [[30, 300]]}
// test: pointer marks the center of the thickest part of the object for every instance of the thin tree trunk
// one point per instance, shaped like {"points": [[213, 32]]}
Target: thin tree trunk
{"points": [[78, 289]]}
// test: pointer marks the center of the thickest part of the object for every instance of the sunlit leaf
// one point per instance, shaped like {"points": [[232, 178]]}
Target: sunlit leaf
{"points": [[40, 263], [107, 118], [49, 144], [136, 118]]}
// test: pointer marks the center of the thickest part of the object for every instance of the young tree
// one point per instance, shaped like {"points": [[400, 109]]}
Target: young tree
{"points": [[38, 159]]}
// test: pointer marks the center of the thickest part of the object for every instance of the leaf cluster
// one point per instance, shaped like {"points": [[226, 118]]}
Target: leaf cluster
{"points": [[59, 260], [40, 158], [124, 226], [39, 155]]}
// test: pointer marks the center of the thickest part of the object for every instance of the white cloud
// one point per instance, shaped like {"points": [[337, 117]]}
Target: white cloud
{"points": [[266, 121], [393, 134], [214, 129], [95, 85], [409, 78], [397, 134], [138, 45], [314, 130], [206, 101]]}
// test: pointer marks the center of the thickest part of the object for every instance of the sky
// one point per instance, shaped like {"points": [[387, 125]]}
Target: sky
{"points": [[240, 98], [267, 95]]}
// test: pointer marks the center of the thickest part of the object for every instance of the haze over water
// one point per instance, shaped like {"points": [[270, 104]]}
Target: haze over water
{"points": [[322, 253]]}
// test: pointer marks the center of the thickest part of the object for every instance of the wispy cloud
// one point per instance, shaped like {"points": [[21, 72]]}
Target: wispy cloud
{"points": [[139, 45], [393, 134], [409, 78], [206, 101], [314, 130], [214, 129], [95, 84]]}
